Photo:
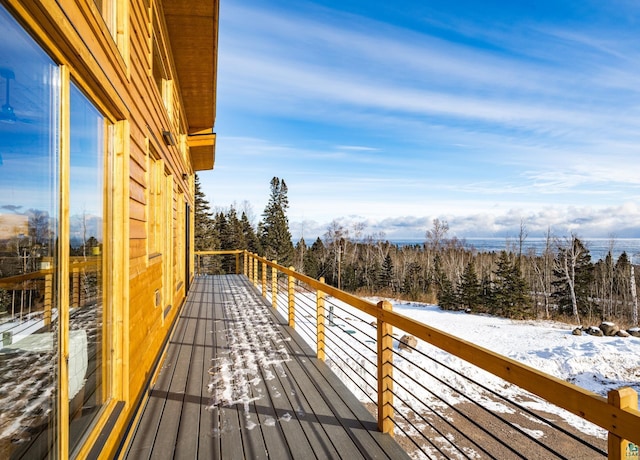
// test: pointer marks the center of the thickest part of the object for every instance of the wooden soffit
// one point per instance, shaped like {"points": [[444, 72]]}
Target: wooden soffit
{"points": [[193, 34], [202, 148]]}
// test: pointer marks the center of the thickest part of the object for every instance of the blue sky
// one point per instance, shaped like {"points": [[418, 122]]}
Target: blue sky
{"points": [[391, 114]]}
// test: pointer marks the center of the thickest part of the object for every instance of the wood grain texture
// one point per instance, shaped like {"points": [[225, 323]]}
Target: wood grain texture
{"points": [[295, 409]]}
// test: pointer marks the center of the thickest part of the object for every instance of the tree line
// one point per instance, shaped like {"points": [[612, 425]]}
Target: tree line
{"points": [[562, 281]]}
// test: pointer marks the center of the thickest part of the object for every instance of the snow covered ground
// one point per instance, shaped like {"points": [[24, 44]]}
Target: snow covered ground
{"points": [[597, 364]]}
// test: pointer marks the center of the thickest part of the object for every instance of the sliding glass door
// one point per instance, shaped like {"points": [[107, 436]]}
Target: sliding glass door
{"points": [[53, 157]]}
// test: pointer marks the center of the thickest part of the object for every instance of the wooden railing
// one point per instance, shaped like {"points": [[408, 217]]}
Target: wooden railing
{"points": [[201, 254], [42, 281], [618, 414]]}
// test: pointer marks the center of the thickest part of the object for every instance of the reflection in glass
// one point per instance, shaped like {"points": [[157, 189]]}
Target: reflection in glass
{"points": [[29, 105], [86, 321]]}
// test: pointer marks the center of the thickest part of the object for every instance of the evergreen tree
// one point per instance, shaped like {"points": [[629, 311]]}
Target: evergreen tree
{"points": [[510, 292], [275, 236], [386, 274], [447, 298], [622, 284], [438, 275], [486, 294], [300, 252], [232, 238], [250, 237], [222, 228], [469, 289], [445, 292], [205, 234], [414, 283], [312, 260]]}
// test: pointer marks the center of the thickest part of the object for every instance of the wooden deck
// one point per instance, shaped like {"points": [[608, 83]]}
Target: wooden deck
{"points": [[236, 382]]}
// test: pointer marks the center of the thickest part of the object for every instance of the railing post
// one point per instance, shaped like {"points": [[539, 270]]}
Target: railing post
{"points": [[274, 286], [385, 372], [255, 272], [621, 449], [237, 263], [292, 299], [75, 288], [264, 279], [245, 264], [48, 298], [320, 323]]}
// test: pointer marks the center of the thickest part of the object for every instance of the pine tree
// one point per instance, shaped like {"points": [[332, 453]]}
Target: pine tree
{"points": [[414, 283], [206, 237], [275, 236], [447, 298], [300, 251], [312, 260], [469, 289], [622, 282], [250, 237], [205, 233], [510, 292], [232, 238], [386, 274]]}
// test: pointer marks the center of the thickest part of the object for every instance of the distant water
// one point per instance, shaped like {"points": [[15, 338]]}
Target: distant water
{"points": [[598, 247]]}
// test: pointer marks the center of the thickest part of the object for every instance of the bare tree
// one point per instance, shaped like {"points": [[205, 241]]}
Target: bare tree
{"points": [[436, 236], [522, 236], [543, 268], [570, 255]]}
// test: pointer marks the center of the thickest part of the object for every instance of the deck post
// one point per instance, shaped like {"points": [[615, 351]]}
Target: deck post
{"points": [[264, 279], [621, 449], [75, 288], [385, 371], [237, 263], [48, 298], [292, 299], [255, 271], [245, 267], [320, 333], [274, 285]]}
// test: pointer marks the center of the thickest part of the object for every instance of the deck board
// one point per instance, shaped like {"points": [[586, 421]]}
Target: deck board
{"points": [[237, 383]]}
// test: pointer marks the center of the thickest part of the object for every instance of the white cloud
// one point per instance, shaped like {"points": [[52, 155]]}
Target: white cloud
{"points": [[620, 221], [364, 117]]}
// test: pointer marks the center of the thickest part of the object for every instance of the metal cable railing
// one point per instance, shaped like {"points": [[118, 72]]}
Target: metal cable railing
{"points": [[520, 407]]}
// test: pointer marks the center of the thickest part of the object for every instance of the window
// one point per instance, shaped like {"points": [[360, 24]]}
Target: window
{"points": [[114, 14], [154, 203], [159, 71], [51, 262], [167, 256], [29, 192], [162, 75], [88, 321], [107, 9]]}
